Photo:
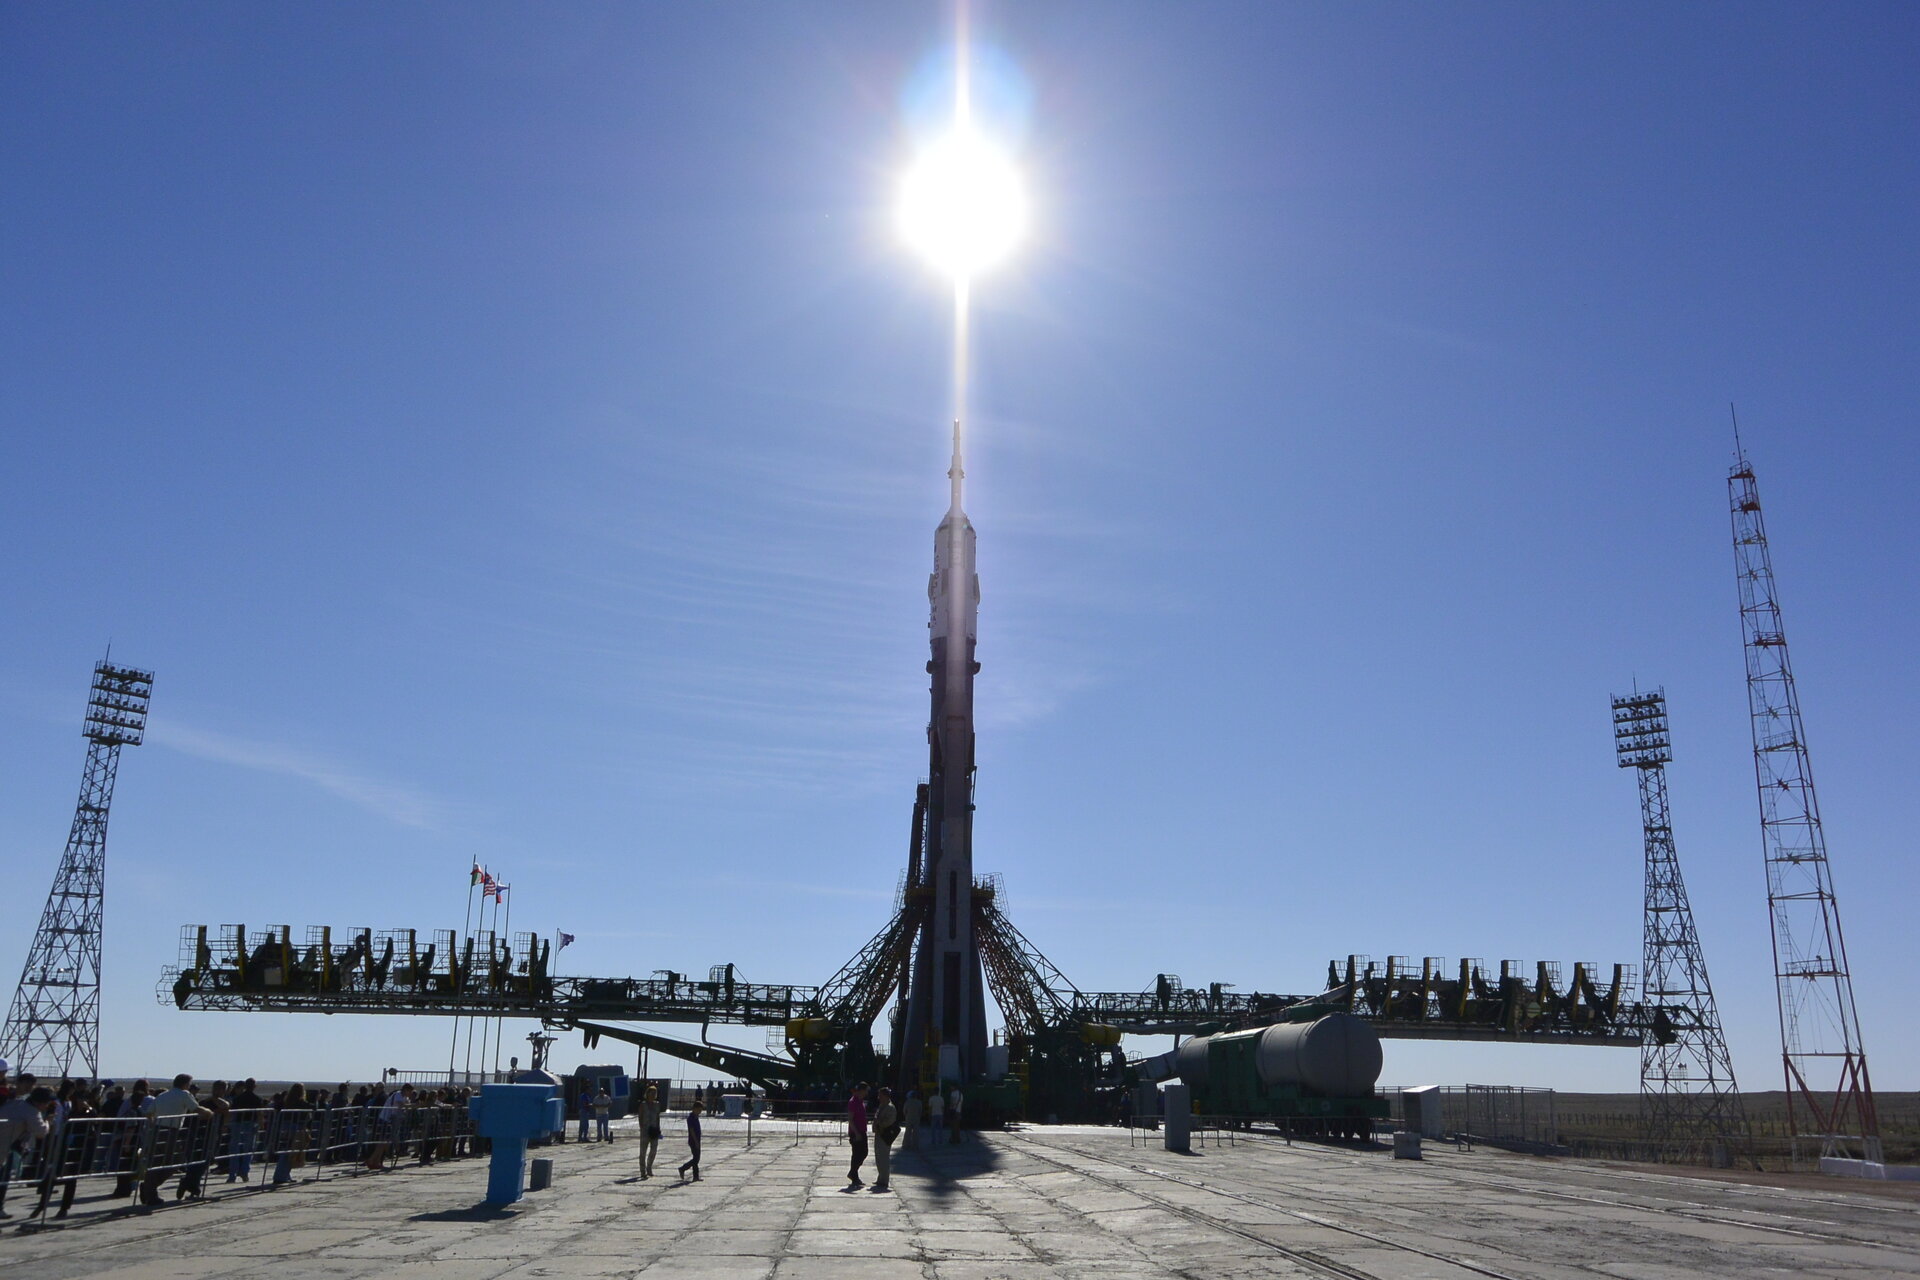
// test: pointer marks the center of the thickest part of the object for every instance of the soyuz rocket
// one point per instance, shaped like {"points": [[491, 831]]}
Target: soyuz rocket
{"points": [[946, 1010]]}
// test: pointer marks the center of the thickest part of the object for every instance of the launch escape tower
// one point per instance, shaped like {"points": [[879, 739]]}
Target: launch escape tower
{"points": [[945, 1018], [55, 1017], [1829, 1095], [1688, 1098]]}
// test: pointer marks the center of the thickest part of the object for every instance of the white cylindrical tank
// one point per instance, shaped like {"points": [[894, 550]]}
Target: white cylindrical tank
{"points": [[1190, 1061], [1337, 1055]]}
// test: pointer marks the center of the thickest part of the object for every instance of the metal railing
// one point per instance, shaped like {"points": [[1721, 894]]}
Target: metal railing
{"points": [[1227, 1130], [256, 1149]]}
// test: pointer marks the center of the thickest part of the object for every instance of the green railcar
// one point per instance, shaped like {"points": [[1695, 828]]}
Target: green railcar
{"points": [[1309, 1077]]}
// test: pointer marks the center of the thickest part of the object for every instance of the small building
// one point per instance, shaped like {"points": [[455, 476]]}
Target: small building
{"points": [[589, 1080]]}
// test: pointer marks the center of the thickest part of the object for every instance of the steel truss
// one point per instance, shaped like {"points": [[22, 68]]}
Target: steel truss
{"points": [[1829, 1094], [55, 1018], [1689, 1100]]}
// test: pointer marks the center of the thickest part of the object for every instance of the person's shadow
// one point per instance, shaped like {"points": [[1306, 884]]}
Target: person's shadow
{"points": [[940, 1170]]}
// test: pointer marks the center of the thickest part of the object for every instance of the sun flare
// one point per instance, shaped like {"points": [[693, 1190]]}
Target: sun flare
{"points": [[962, 205]]}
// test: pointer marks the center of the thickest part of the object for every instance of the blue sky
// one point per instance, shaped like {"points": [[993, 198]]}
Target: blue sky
{"points": [[515, 434]]}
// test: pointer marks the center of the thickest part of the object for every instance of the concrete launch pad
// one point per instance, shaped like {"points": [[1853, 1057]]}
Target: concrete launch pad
{"points": [[1078, 1203]]}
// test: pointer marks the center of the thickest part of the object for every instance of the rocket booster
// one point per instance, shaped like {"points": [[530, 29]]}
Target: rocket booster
{"points": [[947, 1004]]}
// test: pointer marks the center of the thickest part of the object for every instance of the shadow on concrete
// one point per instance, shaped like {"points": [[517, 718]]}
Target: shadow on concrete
{"points": [[482, 1212], [939, 1171]]}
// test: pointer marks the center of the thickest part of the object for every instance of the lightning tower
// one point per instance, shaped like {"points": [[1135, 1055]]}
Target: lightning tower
{"points": [[55, 1017], [1688, 1096], [945, 1026], [1829, 1095]]}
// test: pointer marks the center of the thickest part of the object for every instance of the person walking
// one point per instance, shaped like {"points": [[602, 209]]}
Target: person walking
{"points": [[603, 1114], [649, 1130], [857, 1132], [936, 1117], [886, 1127], [912, 1110], [956, 1102], [693, 1141]]}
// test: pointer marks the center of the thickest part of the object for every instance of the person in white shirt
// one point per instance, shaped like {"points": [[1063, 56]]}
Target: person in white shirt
{"points": [[22, 1120], [175, 1110], [393, 1128], [936, 1112], [603, 1115]]}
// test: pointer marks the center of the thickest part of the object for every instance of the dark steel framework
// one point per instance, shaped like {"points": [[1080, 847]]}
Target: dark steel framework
{"points": [[947, 942], [1829, 1094], [55, 1017], [1689, 1100], [397, 972]]}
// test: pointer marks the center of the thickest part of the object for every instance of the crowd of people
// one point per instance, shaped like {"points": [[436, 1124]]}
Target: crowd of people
{"points": [[55, 1130], [226, 1128]]}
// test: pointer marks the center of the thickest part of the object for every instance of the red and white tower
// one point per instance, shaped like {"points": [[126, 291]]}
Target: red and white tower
{"points": [[1829, 1095]]}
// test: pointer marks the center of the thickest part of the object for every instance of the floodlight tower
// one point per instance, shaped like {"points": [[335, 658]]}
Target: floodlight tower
{"points": [[55, 1017], [1829, 1094], [1688, 1096]]}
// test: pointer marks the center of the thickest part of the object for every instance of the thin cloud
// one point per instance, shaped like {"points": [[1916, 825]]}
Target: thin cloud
{"points": [[398, 804], [813, 890]]}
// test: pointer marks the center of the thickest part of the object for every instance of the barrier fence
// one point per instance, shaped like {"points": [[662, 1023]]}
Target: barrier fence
{"points": [[1227, 1130], [266, 1148], [1511, 1117]]}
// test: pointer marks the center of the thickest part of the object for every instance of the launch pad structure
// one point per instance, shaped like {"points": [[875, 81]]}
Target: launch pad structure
{"points": [[947, 943]]}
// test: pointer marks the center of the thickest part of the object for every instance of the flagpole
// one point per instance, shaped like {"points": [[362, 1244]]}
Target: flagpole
{"points": [[490, 1025], [453, 964], [497, 1022], [486, 895], [479, 926]]}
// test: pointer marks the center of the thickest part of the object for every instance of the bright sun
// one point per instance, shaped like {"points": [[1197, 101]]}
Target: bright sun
{"points": [[962, 205]]}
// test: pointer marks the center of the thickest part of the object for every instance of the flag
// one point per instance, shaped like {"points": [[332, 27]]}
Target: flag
{"points": [[566, 940], [477, 873]]}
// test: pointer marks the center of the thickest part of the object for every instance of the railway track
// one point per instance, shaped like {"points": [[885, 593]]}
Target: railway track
{"points": [[1301, 1257], [1692, 1210]]}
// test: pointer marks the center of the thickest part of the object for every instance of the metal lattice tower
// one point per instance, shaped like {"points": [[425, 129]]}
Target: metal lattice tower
{"points": [[55, 1019], [1688, 1096], [1829, 1095]]}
